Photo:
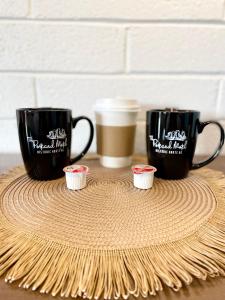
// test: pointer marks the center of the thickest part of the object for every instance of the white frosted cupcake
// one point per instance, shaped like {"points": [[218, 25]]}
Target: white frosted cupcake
{"points": [[143, 176], [76, 176]]}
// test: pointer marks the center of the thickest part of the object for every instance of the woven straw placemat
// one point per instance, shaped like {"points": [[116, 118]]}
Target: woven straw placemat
{"points": [[111, 239]]}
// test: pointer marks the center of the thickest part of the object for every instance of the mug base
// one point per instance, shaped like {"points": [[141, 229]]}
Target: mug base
{"points": [[115, 162], [45, 177], [171, 177]]}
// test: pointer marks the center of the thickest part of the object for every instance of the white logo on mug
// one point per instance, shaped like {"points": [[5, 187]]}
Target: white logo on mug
{"points": [[58, 139], [176, 135], [177, 142], [58, 133]]}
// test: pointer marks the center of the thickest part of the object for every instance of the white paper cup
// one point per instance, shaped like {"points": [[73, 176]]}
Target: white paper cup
{"points": [[143, 176], [76, 176], [115, 126]]}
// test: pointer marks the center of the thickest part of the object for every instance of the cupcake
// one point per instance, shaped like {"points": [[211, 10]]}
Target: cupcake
{"points": [[76, 176], [143, 176]]}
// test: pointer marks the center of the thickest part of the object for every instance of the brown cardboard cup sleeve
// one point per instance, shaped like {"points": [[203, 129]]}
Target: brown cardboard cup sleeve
{"points": [[115, 141]]}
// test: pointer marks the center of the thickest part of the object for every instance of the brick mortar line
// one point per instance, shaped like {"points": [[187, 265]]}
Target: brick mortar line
{"points": [[177, 75], [8, 118], [219, 98], [112, 22], [35, 92], [223, 12], [29, 4], [126, 49]]}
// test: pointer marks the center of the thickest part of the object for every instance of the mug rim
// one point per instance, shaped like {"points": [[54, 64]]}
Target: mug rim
{"points": [[176, 111], [42, 109]]}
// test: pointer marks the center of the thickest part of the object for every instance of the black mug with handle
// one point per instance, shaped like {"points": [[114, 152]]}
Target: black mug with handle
{"points": [[171, 137], [45, 136]]}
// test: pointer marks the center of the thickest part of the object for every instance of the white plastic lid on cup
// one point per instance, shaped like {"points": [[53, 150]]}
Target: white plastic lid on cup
{"points": [[117, 104], [143, 176]]}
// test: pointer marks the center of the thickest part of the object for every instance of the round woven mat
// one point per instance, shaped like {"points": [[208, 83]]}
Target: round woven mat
{"points": [[110, 213], [111, 239]]}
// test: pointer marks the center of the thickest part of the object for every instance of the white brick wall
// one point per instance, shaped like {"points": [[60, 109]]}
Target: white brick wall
{"points": [[59, 47], [14, 8], [129, 9], [69, 53], [15, 91], [171, 48]]}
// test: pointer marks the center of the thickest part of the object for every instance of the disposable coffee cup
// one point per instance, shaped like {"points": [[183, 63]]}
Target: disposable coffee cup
{"points": [[115, 127]]}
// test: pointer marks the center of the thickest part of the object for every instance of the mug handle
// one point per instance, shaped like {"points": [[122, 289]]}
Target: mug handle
{"points": [[86, 148], [202, 125]]}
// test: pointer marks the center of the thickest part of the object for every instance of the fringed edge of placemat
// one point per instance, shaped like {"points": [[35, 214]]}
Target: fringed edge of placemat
{"points": [[49, 267]]}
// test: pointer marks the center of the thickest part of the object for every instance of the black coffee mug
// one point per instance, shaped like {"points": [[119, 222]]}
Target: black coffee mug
{"points": [[171, 137], [45, 140]]}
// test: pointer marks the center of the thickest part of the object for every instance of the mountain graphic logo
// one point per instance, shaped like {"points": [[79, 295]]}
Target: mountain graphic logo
{"points": [[58, 133]]}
